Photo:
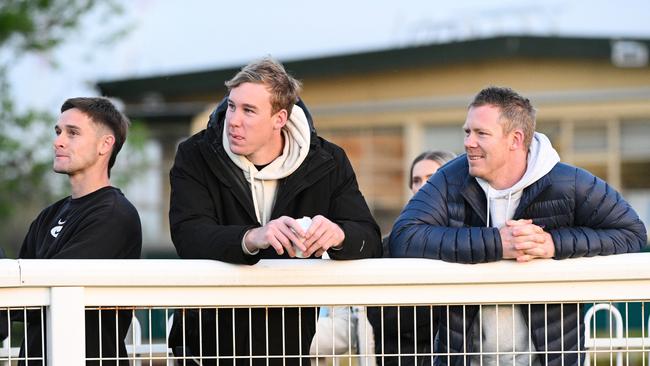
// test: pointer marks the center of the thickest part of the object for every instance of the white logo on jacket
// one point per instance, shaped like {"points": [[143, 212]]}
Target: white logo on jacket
{"points": [[57, 229]]}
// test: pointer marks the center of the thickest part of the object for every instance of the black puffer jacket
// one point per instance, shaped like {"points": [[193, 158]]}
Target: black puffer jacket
{"points": [[446, 220], [212, 208]]}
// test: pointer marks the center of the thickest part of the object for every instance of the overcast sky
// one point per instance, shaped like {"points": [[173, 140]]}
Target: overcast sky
{"points": [[172, 36]]}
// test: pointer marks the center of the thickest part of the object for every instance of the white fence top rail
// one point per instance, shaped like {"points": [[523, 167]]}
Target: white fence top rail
{"points": [[314, 272], [305, 282]]}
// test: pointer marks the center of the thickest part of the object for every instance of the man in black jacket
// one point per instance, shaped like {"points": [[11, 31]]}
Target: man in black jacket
{"points": [[237, 189], [509, 197], [95, 222]]}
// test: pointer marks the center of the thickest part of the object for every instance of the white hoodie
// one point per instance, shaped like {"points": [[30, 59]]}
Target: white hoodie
{"points": [[264, 183], [501, 207]]}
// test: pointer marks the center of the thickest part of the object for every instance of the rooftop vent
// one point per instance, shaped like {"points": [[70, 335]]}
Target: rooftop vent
{"points": [[629, 54]]}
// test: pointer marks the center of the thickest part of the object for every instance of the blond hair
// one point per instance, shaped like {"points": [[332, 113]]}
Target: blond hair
{"points": [[283, 87]]}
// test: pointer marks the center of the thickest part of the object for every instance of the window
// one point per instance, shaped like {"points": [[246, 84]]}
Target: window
{"points": [[444, 137], [590, 137], [377, 155]]}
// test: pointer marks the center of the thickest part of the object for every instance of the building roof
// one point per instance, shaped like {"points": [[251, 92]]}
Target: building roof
{"points": [[503, 47]]}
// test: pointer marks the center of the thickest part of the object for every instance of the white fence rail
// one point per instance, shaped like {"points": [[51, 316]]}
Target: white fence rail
{"points": [[66, 287]]}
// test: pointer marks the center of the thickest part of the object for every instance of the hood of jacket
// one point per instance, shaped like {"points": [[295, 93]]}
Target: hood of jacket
{"points": [[501, 204]]}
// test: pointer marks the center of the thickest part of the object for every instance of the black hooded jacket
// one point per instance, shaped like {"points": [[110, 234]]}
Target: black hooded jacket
{"points": [[446, 220], [212, 208]]}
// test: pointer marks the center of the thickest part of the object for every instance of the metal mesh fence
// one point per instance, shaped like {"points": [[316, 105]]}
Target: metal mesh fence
{"points": [[13, 333], [587, 333]]}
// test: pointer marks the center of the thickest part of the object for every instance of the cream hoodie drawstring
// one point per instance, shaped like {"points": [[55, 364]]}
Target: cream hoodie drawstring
{"points": [[265, 218], [508, 204], [488, 206], [489, 199], [251, 174]]}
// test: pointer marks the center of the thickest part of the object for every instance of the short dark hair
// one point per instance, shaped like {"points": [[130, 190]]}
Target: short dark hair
{"points": [[439, 156], [516, 111], [103, 112], [283, 87]]}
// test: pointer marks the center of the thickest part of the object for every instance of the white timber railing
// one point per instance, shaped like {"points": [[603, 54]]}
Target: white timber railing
{"points": [[66, 288]]}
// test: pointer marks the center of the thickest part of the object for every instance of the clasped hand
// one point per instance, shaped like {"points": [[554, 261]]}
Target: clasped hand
{"points": [[524, 241]]}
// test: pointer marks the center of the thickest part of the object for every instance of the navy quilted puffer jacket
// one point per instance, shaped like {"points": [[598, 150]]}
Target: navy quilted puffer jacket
{"points": [[446, 220]]}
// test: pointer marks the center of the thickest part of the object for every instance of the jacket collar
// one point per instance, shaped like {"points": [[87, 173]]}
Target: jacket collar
{"points": [[475, 196], [227, 173], [316, 166], [531, 193]]}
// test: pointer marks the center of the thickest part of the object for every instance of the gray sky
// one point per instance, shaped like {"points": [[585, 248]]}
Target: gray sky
{"points": [[174, 36]]}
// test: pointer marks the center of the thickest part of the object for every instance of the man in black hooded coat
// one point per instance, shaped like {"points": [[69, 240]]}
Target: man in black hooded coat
{"points": [[238, 187]]}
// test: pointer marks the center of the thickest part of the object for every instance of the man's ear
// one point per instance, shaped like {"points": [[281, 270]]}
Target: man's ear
{"points": [[517, 139], [106, 144], [280, 119]]}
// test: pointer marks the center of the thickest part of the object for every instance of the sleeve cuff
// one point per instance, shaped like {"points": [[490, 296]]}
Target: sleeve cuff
{"points": [[336, 249], [244, 248]]}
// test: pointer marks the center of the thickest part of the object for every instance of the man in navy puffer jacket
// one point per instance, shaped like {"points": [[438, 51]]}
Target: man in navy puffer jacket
{"points": [[509, 197]]}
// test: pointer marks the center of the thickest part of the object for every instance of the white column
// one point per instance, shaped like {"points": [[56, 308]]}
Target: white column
{"points": [[413, 145], [614, 175], [66, 340]]}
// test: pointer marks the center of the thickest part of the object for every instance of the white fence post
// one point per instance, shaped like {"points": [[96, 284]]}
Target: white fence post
{"points": [[66, 339]]}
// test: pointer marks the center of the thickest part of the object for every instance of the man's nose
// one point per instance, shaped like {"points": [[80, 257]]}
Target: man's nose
{"points": [[469, 141], [59, 141], [233, 118]]}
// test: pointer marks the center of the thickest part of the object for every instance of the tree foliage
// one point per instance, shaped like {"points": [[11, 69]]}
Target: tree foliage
{"points": [[26, 182], [21, 140], [40, 25]]}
